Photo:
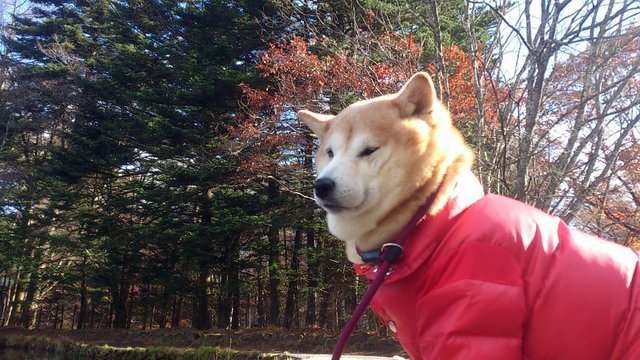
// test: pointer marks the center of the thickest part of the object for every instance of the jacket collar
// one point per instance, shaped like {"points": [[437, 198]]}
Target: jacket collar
{"points": [[425, 238]]}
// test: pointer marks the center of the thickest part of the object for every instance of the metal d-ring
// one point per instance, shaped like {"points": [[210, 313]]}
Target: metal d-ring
{"points": [[394, 252]]}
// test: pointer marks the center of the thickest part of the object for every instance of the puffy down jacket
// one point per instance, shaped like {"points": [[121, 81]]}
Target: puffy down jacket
{"points": [[492, 278]]}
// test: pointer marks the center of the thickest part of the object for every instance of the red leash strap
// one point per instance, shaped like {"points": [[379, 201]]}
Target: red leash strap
{"points": [[362, 306], [388, 256]]}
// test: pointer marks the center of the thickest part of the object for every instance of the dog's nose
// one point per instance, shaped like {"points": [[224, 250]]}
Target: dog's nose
{"points": [[323, 187]]}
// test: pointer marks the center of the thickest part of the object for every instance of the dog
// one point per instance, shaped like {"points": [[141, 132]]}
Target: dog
{"points": [[481, 276]]}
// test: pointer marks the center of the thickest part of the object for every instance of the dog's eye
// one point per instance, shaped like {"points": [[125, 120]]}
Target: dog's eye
{"points": [[368, 151], [330, 152]]}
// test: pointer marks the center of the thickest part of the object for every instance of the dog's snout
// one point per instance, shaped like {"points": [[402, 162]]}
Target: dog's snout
{"points": [[323, 187]]}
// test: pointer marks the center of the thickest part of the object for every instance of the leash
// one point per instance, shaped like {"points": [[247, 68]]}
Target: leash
{"points": [[388, 254]]}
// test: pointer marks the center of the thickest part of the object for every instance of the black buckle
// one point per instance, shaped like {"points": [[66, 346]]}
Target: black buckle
{"points": [[391, 252], [370, 257]]}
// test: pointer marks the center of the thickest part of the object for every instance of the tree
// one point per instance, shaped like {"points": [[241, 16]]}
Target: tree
{"points": [[147, 96], [615, 214], [596, 27]]}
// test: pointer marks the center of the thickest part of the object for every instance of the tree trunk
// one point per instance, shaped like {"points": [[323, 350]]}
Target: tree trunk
{"points": [[4, 293], [26, 318], [93, 315], [290, 312], [56, 317], [325, 316], [479, 139], [312, 263], [39, 316], [176, 312], [49, 313], [131, 305], [441, 78], [351, 295], [248, 314], [260, 300], [202, 316], [109, 322], [234, 283], [119, 297], [61, 316], [148, 308], [312, 280], [274, 279], [82, 315], [14, 304], [325, 304], [165, 316], [230, 287], [224, 303], [73, 315], [273, 253], [534, 97], [235, 300]]}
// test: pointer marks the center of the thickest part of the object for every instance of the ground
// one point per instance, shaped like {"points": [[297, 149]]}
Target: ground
{"points": [[264, 340]]}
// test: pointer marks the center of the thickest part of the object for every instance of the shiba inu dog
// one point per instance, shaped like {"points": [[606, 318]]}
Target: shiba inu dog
{"points": [[481, 276], [379, 159]]}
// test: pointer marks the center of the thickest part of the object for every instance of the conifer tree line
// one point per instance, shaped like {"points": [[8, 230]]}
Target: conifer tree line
{"points": [[153, 172]]}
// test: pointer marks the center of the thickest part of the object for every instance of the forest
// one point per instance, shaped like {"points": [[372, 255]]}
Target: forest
{"points": [[154, 173]]}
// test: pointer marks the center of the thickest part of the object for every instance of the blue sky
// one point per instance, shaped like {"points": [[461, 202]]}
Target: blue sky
{"points": [[7, 9]]}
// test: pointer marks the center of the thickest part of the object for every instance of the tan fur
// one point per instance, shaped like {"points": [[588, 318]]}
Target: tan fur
{"points": [[418, 149]]}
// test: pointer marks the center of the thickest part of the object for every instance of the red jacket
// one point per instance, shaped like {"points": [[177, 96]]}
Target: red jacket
{"points": [[492, 278]]}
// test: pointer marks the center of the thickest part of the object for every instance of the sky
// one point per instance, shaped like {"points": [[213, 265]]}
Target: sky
{"points": [[7, 9], [516, 52]]}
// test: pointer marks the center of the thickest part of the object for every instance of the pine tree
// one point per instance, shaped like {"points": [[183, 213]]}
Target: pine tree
{"points": [[150, 91]]}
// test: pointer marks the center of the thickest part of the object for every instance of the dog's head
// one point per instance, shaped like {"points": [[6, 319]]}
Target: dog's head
{"points": [[377, 157]]}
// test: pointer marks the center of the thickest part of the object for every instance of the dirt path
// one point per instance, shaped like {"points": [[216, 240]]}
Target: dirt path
{"points": [[343, 357]]}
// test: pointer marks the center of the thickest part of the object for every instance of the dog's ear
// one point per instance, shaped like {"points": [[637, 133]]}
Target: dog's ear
{"points": [[318, 123], [417, 96]]}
